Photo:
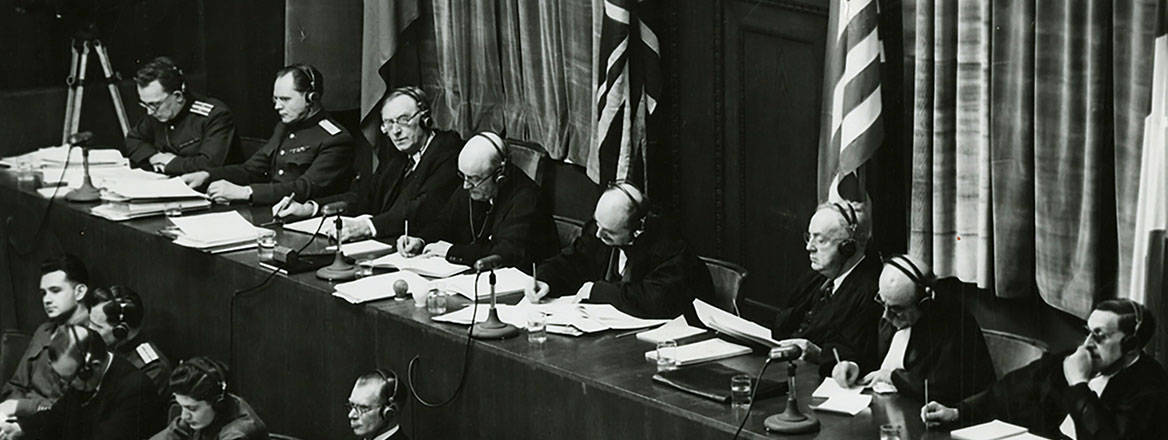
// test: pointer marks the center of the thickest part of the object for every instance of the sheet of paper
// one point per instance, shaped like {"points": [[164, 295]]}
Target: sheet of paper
{"points": [[845, 404], [829, 388], [516, 316], [365, 247], [216, 228], [379, 287], [308, 226], [125, 190], [730, 324], [704, 351], [97, 156], [508, 280], [430, 265], [673, 330], [610, 317], [992, 430]]}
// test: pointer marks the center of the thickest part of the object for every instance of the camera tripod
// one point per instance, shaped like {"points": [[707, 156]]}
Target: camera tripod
{"points": [[81, 47]]}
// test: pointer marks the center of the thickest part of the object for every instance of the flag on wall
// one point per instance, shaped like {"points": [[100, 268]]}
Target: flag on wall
{"points": [[627, 65], [1152, 201], [851, 128]]}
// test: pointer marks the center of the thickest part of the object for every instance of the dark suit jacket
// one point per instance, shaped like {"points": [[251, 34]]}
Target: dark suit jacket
{"points": [[1134, 405], [419, 197], [312, 158], [125, 407], [662, 277], [847, 322], [202, 135], [518, 226], [947, 348], [237, 422]]}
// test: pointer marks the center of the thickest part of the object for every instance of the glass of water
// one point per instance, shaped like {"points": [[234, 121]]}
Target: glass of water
{"points": [[266, 244], [537, 327], [891, 432], [667, 355], [740, 389]]}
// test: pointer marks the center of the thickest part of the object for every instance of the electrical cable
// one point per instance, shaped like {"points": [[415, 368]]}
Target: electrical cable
{"points": [[465, 358], [753, 391]]}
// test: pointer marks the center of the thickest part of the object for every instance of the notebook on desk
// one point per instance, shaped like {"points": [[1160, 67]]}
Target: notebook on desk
{"points": [[712, 381]]}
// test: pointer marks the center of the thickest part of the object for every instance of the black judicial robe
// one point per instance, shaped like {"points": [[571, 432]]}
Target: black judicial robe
{"points": [[517, 226], [848, 321], [391, 197], [947, 348], [125, 406], [1134, 405], [662, 276]]}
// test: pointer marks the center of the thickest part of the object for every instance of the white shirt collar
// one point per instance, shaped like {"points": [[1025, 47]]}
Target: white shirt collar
{"points": [[387, 434], [835, 284], [417, 157]]}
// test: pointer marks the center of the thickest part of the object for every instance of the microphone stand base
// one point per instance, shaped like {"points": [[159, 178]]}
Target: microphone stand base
{"points": [[85, 193], [494, 328], [338, 271], [791, 421]]}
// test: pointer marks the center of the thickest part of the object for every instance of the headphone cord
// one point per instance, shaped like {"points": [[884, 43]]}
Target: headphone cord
{"points": [[10, 242], [267, 279], [465, 358], [753, 392]]}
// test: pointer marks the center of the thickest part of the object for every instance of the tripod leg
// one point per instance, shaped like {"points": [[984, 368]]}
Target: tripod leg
{"points": [[75, 121], [71, 85], [106, 67]]}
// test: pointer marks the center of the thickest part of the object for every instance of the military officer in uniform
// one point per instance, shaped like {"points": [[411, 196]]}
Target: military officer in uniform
{"points": [[182, 132], [309, 154], [118, 319]]}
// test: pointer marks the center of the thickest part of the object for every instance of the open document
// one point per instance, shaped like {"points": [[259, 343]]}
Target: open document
{"points": [[583, 318], [217, 232], [727, 323], [430, 265]]}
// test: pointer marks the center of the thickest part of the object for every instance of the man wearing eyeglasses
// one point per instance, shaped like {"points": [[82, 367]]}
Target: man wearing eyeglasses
{"points": [[1106, 388], [309, 155], [498, 211], [925, 335], [413, 180], [831, 309], [182, 132], [373, 407]]}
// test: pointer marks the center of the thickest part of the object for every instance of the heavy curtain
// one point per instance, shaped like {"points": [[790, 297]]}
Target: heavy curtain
{"points": [[520, 65], [1026, 137]]}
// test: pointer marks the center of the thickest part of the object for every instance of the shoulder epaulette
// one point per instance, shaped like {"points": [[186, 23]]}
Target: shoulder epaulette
{"points": [[328, 126], [201, 108], [147, 353]]}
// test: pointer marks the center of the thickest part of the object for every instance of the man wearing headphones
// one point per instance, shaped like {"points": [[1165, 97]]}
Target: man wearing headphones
{"points": [[925, 335], [1107, 388], [182, 132], [413, 180], [118, 319], [67, 300], [374, 406], [309, 154], [106, 397], [498, 211], [630, 259], [208, 411], [831, 309]]}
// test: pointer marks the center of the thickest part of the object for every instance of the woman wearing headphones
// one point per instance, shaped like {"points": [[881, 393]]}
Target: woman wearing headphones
{"points": [[208, 410]]}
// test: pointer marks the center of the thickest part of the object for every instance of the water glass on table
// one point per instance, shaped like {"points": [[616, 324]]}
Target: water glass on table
{"points": [[436, 302], [891, 432], [266, 244], [741, 386], [537, 327], [667, 355]]}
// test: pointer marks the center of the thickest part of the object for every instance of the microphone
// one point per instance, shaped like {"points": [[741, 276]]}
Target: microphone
{"points": [[334, 208], [489, 262], [785, 353], [86, 192], [80, 139]]}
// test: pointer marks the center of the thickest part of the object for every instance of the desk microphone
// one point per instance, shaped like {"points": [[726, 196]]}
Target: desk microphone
{"points": [[86, 192], [791, 420], [339, 270], [493, 327], [334, 208], [785, 353]]}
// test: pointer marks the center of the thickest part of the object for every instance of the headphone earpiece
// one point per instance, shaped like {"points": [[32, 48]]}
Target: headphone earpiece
{"points": [[390, 404], [847, 247], [310, 95], [85, 370], [640, 207], [419, 97], [121, 330], [1130, 342], [505, 159]]}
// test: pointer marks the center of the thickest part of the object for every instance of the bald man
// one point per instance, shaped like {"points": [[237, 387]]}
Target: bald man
{"points": [[497, 211], [924, 334], [413, 180], [831, 309], [630, 259]]}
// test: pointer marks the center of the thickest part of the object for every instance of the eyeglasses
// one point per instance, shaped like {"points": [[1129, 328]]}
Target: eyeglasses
{"points": [[401, 121], [817, 240], [152, 107], [360, 409], [1098, 335], [895, 310], [474, 182]]}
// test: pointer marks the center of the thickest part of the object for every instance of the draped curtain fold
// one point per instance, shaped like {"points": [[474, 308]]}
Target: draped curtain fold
{"points": [[519, 65], [1027, 134]]}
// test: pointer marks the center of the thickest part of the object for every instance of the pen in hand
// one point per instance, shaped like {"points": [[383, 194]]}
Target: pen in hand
{"points": [[282, 204]]}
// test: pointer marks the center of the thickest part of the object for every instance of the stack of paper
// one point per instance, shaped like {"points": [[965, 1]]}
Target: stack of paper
{"points": [[56, 157], [728, 323], [218, 232], [379, 287], [154, 191], [364, 248], [429, 265], [707, 350], [320, 225], [584, 318], [672, 331], [122, 211], [507, 280], [992, 430]]}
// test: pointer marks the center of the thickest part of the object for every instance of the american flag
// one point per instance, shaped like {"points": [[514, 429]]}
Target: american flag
{"points": [[1152, 200], [852, 127], [627, 62]]}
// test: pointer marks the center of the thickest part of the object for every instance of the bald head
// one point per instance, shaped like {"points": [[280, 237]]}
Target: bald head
{"points": [[615, 214], [480, 163], [899, 292]]}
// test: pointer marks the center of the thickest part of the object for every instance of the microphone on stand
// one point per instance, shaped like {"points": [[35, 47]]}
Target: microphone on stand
{"points": [[493, 327], [791, 420], [339, 270], [86, 192]]}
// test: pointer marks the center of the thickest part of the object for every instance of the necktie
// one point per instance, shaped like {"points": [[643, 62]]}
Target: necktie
{"points": [[817, 303], [409, 166], [613, 275]]}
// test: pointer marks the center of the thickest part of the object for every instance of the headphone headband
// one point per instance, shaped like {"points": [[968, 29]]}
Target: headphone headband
{"points": [[385, 379], [903, 264], [638, 205], [207, 371], [849, 216]]}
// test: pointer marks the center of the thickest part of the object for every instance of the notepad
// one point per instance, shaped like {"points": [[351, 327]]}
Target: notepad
{"points": [[379, 287], [848, 404], [365, 248], [829, 388], [673, 330], [429, 265], [704, 351], [507, 280], [310, 226], [992, 430], [725, 322]]}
